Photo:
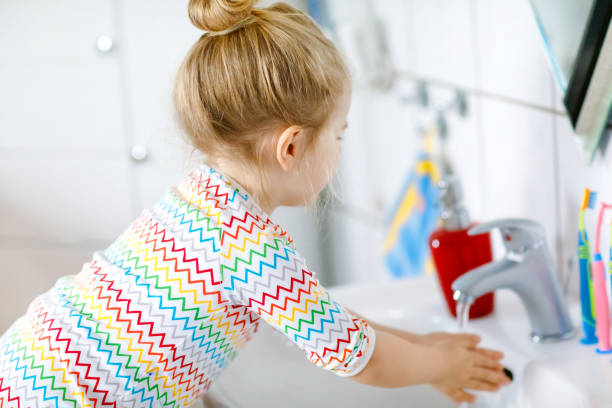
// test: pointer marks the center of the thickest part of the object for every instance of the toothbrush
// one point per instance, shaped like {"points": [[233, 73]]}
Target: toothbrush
{"points": [[610, 270], [586, 282], [602, 307]]}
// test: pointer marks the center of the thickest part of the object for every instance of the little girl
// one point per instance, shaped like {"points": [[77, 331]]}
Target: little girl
{"points": [[154, 318]]}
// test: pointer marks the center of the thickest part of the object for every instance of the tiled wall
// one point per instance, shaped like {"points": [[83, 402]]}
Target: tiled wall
{"points": [[515, 151]]}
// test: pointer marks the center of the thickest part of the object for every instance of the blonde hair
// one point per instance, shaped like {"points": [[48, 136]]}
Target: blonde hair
{"points": [[254, 70]]}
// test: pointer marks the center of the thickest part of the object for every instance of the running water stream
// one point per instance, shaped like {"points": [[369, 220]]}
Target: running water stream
{"points": [[463, 315]]}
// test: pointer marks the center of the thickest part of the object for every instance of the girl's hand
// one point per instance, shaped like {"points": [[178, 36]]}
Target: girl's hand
{"points": [[430, 339], [467, 366]]}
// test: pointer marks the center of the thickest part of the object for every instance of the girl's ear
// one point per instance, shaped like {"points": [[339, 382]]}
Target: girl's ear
{"points": [[288, 146]]}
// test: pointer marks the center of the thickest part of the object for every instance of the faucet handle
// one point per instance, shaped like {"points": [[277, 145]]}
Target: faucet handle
{"points": [[519, 234]]}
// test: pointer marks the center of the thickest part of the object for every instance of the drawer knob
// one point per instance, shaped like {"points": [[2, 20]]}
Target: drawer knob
{"points": [[139, 152], [104, 44]]}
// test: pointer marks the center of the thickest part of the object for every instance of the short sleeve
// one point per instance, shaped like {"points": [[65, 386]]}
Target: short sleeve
{"points": [[263, 271]]}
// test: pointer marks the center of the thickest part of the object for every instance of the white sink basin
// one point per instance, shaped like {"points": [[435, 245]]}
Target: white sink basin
{"points": [[271, 372], [543, 387]]}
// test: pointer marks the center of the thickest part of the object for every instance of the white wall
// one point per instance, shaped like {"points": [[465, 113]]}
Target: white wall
{"points": [[515, 152]]}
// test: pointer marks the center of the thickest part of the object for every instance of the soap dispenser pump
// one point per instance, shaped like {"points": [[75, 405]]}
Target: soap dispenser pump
{"points": [[454, 252]]}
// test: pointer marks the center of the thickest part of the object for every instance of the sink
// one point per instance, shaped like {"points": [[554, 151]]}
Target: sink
{"points": [[539, 380], [271, 371]]}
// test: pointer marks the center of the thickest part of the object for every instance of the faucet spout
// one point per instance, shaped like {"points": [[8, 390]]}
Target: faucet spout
{"points": [[528, 270], [485, 278]]}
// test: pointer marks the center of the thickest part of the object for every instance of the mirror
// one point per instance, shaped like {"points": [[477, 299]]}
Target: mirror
{"points": [[578, 40]]}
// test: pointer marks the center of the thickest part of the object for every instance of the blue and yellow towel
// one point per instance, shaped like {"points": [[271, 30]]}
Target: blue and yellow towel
{"points": [[414, 216]]}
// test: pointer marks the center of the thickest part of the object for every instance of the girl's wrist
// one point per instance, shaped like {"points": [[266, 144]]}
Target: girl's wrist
{"points": [[412, 337], [438, 363], [432, 362]]}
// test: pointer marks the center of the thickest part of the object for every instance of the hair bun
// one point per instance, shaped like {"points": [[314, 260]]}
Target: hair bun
{"points": [[219, 15]]}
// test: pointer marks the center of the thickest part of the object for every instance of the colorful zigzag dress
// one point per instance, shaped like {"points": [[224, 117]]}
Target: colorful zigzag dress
{"points": [[153, 319]]}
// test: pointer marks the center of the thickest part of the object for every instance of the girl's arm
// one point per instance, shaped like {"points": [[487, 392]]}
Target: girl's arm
{"points": [[427, 339], [449, 364], [399, 363], [270, 278]]}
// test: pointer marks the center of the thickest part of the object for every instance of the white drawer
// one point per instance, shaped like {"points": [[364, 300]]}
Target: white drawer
{"points": [[61, 103], [57, 28], [27, 273], [65, 199]]}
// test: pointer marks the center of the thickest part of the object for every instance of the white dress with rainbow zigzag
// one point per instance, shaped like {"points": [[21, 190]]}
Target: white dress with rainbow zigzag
{"points": [[154, 318]]}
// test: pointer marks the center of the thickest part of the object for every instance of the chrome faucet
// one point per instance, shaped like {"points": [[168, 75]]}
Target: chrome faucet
{"points": [[527, 269]]}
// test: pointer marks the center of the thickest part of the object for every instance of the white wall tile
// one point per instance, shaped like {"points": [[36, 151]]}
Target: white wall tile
{"points": [[443, 32], [464, 147], [519, 165], [512, 60], [392, 143], [362, 38], [399, 28], [355, 179], [355, 250]]}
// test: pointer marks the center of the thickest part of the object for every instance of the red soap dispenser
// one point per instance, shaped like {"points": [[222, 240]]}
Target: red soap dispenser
{"points": [[454, 252]]}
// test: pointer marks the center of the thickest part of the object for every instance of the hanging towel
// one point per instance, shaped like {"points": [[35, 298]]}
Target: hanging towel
{"points": [[414, 215]]}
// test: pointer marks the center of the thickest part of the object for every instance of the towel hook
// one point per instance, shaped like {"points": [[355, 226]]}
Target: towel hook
{"points": [[420, 96]]}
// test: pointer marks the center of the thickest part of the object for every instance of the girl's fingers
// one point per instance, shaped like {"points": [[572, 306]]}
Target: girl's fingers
{"points": [[469, 340], [458, 395], [492, 376], [498, 355], [487, 362], [475, 384]]}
